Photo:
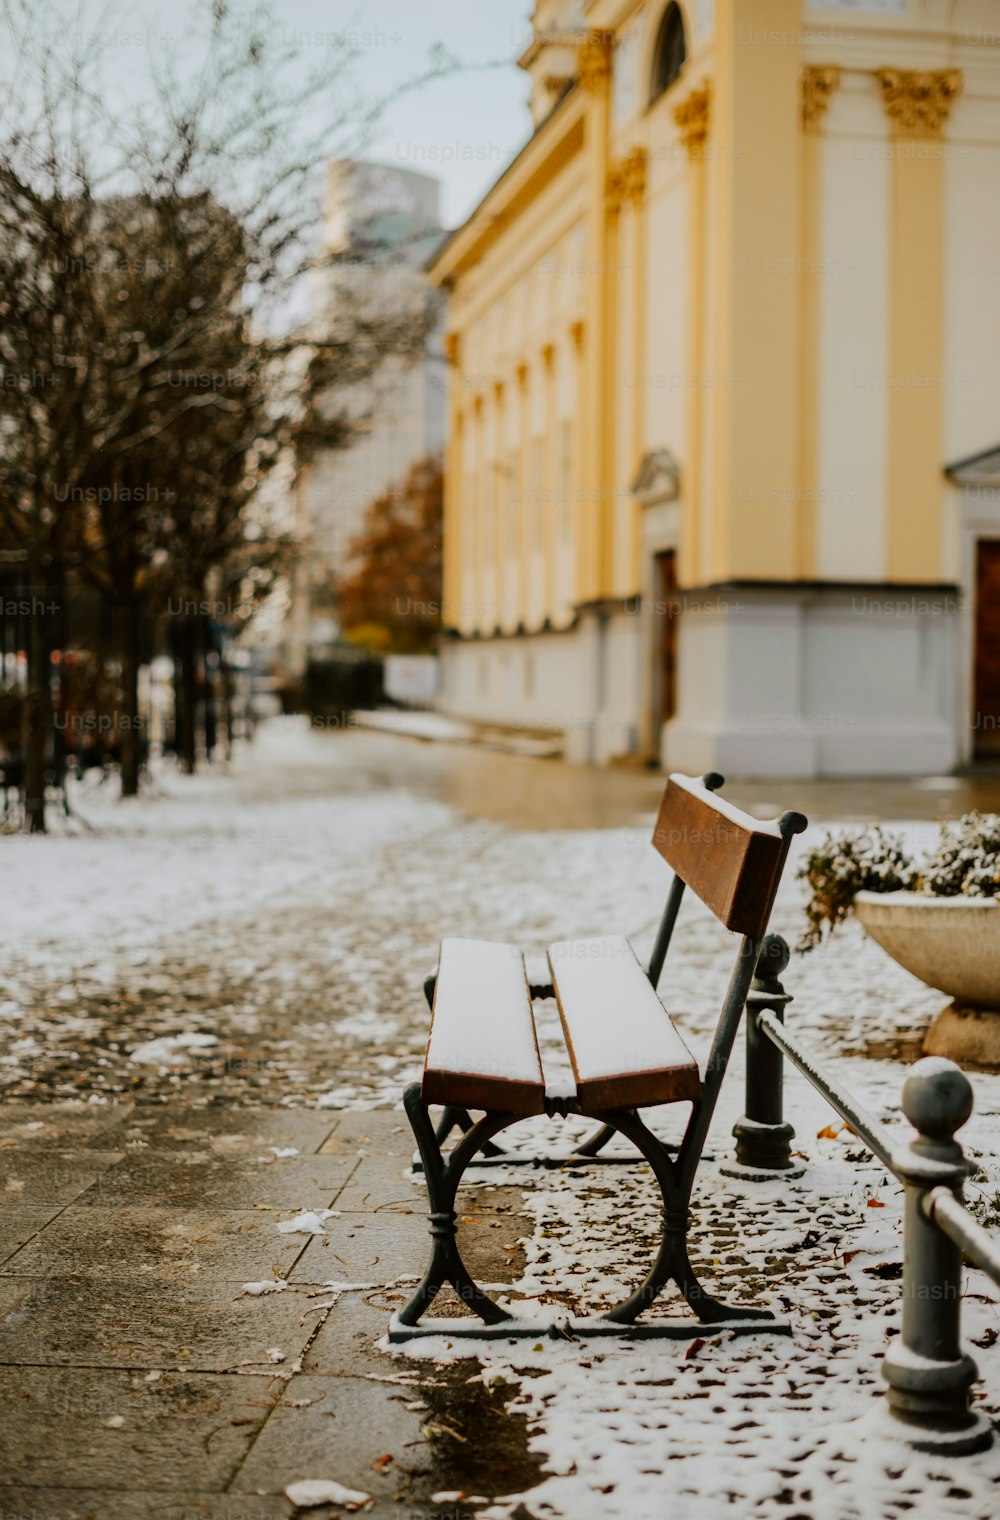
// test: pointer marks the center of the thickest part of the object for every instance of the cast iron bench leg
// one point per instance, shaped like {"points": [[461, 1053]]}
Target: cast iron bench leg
{"points": [[672, 1264], [443, 1178]]}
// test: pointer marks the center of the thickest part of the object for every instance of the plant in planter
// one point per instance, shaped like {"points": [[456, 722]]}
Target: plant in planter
{"points": [[966, 863], [844, 865], [938, 916]]}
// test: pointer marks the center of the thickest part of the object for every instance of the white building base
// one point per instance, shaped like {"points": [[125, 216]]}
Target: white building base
{"points": [[771, 681], [802, 682], [583, 681]]}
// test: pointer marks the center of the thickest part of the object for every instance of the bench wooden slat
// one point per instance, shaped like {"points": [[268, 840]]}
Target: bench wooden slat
{"points": [[624, 1049], [731, 860], [483, 1050]]}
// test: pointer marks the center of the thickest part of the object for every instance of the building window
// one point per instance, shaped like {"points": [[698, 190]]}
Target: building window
{"points": [[669, 53]]}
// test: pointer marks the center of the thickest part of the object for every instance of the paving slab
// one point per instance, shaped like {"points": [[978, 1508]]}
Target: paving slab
{"points": [[346, 1424], [347, 1343], [192, 1428], [25, 1125], [20, 1225], [199, 1179], [229, 1130], [400, 1444], [365, 1247], [54, 1177], [172, 1245], [89, 1321], [384, 1181], [385, 1132], [92, 1504]]}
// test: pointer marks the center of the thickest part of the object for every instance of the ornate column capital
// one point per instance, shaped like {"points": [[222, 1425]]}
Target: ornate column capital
{"points": [[918, 101], [627, 179], [818, 84], [576, 333], [594, 61], [692, 116]]}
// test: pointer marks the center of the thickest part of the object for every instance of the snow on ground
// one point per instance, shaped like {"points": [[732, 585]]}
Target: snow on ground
{"points": [[263, 935], [762, 1426]]}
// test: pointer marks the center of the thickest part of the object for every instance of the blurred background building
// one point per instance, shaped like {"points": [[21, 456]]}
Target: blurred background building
{"points": [[721, 476], [381, 224]]}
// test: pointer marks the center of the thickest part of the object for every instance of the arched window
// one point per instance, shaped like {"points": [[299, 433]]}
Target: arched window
{"points": [[669, 53]]}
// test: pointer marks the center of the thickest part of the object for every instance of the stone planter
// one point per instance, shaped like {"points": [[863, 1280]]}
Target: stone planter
{"points": [[952, 943]]}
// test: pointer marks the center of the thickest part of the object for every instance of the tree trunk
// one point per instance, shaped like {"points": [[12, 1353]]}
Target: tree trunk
{"points": [[37, 711], [227, 704], [130, 747], [209, 686], [185, 695]]}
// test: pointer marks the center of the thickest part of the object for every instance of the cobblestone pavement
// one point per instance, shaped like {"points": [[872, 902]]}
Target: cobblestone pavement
{"points": [[142, 1178]]}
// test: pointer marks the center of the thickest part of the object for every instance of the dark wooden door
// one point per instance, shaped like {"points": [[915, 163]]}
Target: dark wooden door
{"points": [[986, 686], [666, 635]]}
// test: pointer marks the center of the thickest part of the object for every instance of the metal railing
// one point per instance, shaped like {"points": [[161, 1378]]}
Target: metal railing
{"points": [[929, 1376]]}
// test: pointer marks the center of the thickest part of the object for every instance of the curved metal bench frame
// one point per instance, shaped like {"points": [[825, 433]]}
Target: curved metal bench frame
{"points": [[675, 1174]]}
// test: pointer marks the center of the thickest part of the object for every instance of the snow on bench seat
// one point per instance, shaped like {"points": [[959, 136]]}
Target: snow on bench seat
{"points": [[625, 1051], [482, 1051]]}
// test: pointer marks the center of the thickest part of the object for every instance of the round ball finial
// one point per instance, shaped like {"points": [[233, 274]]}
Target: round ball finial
{"points": [[937, 1097], [774, 956]]}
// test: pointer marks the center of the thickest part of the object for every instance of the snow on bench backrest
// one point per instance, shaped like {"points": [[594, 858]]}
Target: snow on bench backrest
{"points": [[482, 1051], [731, 860], [624, 1049]]}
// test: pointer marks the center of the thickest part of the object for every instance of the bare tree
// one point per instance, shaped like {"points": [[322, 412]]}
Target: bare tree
{"points": [[152, 369]]}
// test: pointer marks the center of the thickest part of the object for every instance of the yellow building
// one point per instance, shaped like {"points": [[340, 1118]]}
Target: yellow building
{"points": [[725, 389]]}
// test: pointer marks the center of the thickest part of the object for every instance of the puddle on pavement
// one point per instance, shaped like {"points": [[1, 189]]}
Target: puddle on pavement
{"points": [[477, 1444]]}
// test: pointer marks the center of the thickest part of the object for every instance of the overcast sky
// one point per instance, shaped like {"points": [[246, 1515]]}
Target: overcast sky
{"points": [[465, 129]]}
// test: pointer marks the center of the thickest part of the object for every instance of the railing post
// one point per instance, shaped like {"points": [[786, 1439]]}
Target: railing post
{"points": [[763, 1136], [929, 1375]]}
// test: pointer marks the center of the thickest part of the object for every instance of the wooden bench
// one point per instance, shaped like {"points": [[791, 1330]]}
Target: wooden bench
{"points": [[625, 1053]]}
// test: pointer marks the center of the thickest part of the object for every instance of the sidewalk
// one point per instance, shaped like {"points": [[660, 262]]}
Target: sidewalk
{"points": [[141, 1378], [230, 972]]}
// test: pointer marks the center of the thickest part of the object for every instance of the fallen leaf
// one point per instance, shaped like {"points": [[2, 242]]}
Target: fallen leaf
{"points": [[381, 1463], [888, 1271], [830, 1132], [693, 1349], [986, 1339], [875, 1203]]}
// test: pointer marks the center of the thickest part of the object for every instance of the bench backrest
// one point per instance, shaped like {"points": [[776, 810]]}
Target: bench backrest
{"points": [[732, 861]]}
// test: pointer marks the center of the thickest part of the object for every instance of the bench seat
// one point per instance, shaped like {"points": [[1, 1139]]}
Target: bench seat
{"points": [[483, 1050], [625, 1051]]}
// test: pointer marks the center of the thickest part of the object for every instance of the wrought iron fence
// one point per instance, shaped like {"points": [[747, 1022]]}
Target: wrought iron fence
{"points": [[929, 1376]]}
